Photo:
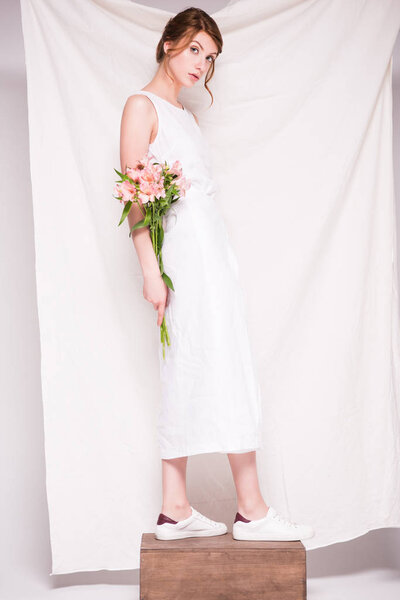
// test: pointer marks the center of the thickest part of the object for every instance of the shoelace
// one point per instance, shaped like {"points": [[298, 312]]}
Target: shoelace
{"points": [[285, 521], [206, 519]]}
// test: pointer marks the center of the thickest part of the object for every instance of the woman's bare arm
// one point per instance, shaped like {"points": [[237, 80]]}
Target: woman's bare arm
{"points": [[137, 124], [136, 127]]}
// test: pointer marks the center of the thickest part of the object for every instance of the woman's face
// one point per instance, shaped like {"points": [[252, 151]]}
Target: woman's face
{"points": [[196, 59]]}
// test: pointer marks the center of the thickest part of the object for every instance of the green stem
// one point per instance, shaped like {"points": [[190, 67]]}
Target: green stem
{"points": [[154, 229], [140, 206]]}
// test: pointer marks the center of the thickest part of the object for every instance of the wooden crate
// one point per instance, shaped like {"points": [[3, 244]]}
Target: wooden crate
{"points": [[220, 567]]}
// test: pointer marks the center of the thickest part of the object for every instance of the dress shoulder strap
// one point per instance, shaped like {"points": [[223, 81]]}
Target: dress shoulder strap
{"points": [[146, 93]]}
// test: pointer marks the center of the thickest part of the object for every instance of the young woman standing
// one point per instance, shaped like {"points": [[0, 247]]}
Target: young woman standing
{"points": [[210, 395]]}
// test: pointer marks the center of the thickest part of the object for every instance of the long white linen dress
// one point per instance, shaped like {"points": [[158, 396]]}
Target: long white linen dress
{"points": [[211, 400]]}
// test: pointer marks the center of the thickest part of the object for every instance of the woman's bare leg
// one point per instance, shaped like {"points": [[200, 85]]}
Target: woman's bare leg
{"points": [[250, 503], [175, 502]]}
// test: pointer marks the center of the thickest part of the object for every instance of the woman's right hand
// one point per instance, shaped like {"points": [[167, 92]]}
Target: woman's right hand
{"points": [[155, 290]]}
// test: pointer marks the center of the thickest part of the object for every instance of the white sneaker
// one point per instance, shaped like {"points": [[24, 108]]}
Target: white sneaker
{"points": [[272, 527], [196, 525]]}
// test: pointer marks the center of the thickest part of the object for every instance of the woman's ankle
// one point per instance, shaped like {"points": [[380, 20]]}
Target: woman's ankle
{"points": [[253, 510], [177, 512]]}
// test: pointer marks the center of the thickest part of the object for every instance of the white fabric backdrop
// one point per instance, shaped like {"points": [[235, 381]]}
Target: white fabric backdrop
{"points": [[301, 138]]}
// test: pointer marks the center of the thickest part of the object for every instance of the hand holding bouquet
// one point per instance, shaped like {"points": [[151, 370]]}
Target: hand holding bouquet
{"points": [[154, 187]]}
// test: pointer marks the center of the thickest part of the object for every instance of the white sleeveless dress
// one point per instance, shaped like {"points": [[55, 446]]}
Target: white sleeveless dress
{"points": [[211, 400]]}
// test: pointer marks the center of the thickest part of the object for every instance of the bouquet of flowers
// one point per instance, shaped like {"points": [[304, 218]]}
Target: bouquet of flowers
{"points": [[154, 187]]}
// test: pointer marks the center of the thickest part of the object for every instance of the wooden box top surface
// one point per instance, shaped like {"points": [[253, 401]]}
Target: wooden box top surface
{"points": [[215, 542]]}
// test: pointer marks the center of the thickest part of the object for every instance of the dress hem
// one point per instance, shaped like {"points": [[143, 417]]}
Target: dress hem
{"points": [[180, 454]]}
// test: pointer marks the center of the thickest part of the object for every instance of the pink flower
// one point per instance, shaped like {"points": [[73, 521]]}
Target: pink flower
{"points": [[176, 168], [134, 174], [145, 198], [148, 158], [126, 190], [183, 184]]}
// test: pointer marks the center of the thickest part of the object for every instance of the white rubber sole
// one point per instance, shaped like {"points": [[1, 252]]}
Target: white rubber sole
{"points": [[165, 535], [267, 537]]}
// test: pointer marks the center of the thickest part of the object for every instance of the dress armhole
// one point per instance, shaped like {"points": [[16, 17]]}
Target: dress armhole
{"points": [[194, 119]]}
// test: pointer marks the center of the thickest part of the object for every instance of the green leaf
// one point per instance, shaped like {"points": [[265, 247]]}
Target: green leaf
{"points": [[167, 281], [138, 225], [126, 210]]}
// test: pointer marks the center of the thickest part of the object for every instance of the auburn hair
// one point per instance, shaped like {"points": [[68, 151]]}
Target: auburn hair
{"points": [[181, 29]]}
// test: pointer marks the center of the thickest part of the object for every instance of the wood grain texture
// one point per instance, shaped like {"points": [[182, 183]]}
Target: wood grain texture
{"points": [[220, 567]]}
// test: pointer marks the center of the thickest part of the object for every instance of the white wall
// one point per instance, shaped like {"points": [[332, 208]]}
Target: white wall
{"points": [[358, 569]]}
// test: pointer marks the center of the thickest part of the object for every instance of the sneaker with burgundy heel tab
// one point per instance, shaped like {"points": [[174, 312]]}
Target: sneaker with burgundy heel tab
{"points": [[196, 525], [272, 527]]}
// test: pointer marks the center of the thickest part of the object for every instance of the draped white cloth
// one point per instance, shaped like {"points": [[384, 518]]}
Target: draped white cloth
{"points": [[301, 138]]}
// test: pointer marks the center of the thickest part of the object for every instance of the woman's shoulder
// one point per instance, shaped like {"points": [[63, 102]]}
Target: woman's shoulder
{"points": [[140, 109], [139, 114], [137, 101]]}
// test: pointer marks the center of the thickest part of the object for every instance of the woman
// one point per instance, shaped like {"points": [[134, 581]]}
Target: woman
{"points": [[211, 397]]}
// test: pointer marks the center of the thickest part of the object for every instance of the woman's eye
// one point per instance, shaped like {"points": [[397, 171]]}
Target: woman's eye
{"points": [[196, 48]]}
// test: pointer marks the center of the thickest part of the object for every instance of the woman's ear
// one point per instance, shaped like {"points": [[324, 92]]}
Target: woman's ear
{"points": [[166, 46]]}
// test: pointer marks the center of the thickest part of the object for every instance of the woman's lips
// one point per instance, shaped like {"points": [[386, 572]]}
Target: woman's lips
{"points": [[193, 76]]}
